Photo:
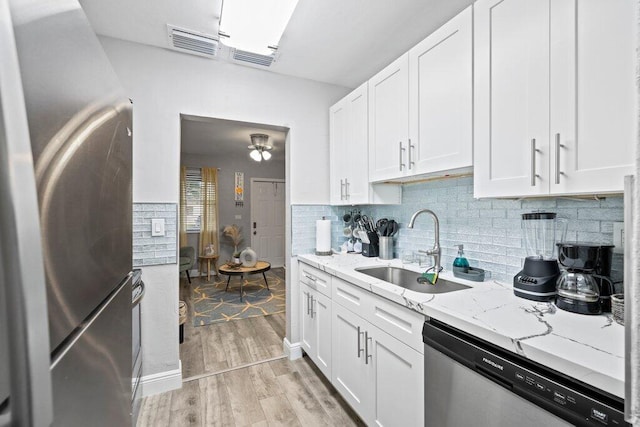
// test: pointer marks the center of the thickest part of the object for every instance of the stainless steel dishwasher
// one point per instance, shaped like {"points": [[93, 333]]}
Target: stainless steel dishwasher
{"points": [[470, 382]]}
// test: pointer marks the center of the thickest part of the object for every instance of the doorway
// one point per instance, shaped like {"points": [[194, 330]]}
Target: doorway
{"points": [[225, 335], [268, 219]]}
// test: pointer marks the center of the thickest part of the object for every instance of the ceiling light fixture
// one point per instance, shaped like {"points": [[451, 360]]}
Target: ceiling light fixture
{"points": [[255, 25], [260, 147]]}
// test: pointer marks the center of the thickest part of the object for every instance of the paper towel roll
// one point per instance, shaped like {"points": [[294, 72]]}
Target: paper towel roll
{"points": [[323, 237]]}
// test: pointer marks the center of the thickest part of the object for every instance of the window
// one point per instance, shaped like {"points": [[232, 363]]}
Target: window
{"points": [[193, 196]]}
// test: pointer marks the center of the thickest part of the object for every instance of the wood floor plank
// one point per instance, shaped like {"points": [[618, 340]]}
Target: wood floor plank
{"points": [[214, 354], [155, 411], [339, 411], [278, 324], [216, 409], [267, 337], [279, 412], [282, 367], [186, 406], [264, 381], [242, 396], [237, 354], [303, 402]]}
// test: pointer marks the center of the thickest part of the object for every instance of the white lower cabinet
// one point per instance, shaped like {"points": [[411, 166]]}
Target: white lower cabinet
{"points": [[368, 347], [380, 377], [315, 327]]}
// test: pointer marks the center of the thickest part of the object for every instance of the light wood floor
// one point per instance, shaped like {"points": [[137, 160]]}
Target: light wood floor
{"points": [[223, 345], [274, 393]]}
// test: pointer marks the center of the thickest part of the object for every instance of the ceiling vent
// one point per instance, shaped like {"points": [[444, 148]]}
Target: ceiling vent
{"points": [[254, 58], [192, 42]]}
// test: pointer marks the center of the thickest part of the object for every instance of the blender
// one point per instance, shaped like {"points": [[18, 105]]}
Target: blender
{"points": [[537, 279]]}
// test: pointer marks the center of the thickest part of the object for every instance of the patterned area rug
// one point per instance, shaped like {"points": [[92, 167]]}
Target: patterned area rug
{"points": [[212, 304]]}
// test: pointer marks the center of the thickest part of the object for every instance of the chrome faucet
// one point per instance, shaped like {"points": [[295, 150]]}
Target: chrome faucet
{"points": [[436, 252]]}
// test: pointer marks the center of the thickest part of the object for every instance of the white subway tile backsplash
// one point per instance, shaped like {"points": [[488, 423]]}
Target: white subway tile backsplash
{"points": [[490, 229]]}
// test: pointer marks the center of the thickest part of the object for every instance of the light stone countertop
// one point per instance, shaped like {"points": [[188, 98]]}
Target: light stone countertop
{"points": [[588, 348]]}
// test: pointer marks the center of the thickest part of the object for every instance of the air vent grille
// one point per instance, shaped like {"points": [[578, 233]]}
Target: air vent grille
{"points": [[198, 44], [253, 58]]}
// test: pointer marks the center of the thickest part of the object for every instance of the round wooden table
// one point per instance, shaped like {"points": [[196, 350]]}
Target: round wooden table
{"points": [[208, 259], [260, 267]]}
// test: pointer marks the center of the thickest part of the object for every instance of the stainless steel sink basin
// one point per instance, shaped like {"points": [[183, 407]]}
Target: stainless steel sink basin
{"points": [[409, 279]]}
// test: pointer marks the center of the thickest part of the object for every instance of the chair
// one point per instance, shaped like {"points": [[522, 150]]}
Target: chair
{"points": [[187, 260]]}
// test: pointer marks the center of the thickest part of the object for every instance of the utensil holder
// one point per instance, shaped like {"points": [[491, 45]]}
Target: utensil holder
{"points": [[617, 307], [386, 247]]}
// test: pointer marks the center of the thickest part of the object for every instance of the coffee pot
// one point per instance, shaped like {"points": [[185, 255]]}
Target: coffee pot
{"points": [[584, 285]]}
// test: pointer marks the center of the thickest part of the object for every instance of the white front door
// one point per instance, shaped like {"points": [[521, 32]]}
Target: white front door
{"points": [[267, 220]]}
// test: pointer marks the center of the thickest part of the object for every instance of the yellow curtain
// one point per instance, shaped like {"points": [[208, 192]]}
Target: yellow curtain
{"points": [[209, 224], [183, 206]]}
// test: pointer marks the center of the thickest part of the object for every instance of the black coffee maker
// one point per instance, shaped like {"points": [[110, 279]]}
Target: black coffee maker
{"points": [[585, 285]]}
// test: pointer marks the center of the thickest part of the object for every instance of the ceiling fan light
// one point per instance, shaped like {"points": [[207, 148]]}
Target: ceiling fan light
{"points": [[266, 155], [255, 155]]}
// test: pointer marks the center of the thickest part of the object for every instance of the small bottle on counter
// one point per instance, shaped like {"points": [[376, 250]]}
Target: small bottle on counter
{"points": [[460, 263]]}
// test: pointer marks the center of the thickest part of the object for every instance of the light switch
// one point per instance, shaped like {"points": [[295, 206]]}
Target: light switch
{"points": [[157, 227], [238, 216]]}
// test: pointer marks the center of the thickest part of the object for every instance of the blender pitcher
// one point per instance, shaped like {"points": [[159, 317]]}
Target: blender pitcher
{"points": [[542, 230], [537, 280]]}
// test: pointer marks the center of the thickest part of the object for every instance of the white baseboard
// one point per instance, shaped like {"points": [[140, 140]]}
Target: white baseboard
{"points": [[162, 381], [292, 351]]}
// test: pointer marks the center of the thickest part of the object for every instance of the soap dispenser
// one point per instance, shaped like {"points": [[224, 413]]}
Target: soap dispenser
{"points": [[460, 263]]}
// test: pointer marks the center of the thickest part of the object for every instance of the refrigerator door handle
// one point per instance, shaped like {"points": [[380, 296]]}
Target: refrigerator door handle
{"points": [[140, 295], [22, 272]]}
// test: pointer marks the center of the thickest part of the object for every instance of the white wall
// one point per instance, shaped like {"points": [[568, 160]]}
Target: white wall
{"points": [[163, 84]]}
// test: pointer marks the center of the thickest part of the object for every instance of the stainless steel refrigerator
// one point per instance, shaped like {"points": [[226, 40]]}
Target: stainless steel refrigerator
{"points": [[65, 222]]}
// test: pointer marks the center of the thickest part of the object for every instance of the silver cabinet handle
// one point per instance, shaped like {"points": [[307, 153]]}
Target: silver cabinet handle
{"points": [[402, 165], [558, 146], [534, 150], [313, 279], [341, 190], [346, 189], [411, 148], [367, 356], [360, 350], [313, 301], [308, 305]]}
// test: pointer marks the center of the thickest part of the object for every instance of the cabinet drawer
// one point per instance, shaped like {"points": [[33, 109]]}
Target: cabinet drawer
{"points": [[351, 297], [315, 278], [398, 321]]}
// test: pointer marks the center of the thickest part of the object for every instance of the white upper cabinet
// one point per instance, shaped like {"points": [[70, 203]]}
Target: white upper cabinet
{"points": [[440, 98], [554, 105], [348, 148], [389, 151], [593, 95]]}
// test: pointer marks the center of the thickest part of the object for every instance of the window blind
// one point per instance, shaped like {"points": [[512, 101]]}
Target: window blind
{"points": [[193, 195]]}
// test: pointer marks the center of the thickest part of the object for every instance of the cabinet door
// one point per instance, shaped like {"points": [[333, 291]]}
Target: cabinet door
{"points": [[338, 156], [441, 97], [321, 309], [511, 103], [307, 327], [357, 159], [349, 373], [398, 372], [593, 110], [389, 121]]}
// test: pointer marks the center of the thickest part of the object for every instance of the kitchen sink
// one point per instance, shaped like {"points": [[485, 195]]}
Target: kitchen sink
{"points": [[409, 280]]}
